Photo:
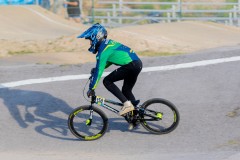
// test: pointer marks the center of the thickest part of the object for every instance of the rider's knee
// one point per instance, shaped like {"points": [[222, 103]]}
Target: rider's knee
{"points": [[106, 82]]}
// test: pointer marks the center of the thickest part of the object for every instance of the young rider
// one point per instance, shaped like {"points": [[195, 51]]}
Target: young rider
{"points": [[111, 52]]}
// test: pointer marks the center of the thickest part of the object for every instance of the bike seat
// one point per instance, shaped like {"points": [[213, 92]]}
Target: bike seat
{"points": [[136, 102]]}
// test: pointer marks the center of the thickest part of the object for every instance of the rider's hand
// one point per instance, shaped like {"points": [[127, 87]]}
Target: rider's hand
{"points": [[90, 93]]}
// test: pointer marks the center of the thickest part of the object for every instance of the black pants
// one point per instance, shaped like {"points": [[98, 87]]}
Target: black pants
{"points": [[129, 74]]}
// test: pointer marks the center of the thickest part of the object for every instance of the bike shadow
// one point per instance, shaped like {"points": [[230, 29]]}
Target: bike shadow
{"points": [[47, 113], [121, 124]]}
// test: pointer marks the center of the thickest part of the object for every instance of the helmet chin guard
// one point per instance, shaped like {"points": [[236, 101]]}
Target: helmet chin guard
{"points": [[95, 34]]}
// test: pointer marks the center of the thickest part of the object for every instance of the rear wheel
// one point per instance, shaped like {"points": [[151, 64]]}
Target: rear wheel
{"points": [[85, 127], [159, 116]]}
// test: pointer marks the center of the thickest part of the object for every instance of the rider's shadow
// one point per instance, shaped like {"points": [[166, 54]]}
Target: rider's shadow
{"points": [[48, 113]]}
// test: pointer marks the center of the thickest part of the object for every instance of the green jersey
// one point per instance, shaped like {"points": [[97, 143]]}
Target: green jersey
{"points": [[111, 52]]}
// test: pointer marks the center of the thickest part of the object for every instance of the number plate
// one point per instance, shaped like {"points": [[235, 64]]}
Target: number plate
{"points": [[100, 100]]}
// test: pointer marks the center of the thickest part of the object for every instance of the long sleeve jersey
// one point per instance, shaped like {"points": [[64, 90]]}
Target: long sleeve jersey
{"points": [[111, 52]]}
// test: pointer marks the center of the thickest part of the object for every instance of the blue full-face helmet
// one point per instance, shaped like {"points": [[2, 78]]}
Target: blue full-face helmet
{"points": [[96, 34]]}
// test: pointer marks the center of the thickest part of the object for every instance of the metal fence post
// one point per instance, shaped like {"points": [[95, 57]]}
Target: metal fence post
{"points": [[114, 10], [168, 17], [93, 11], [180, 10], [174, 11], [120, 9], [102, 22], [238, 17], [109, 18], [235, 11], [80, 6], [231, 18]]}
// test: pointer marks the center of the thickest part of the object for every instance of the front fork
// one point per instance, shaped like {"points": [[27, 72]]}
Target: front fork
{"points": [[89, 121]]}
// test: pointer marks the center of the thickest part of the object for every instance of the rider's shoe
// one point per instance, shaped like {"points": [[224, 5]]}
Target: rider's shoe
{"points": [[133, 126], [127, 107]]}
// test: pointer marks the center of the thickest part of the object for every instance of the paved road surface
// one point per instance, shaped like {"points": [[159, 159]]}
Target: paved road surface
{"points": [[33, 118]]}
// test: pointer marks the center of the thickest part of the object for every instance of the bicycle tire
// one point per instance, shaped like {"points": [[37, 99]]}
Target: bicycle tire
{"points": [[157, 123], [78, 123]]}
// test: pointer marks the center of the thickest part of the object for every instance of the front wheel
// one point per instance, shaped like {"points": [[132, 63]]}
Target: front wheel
{"points": [[159, 116], [87, 123]]}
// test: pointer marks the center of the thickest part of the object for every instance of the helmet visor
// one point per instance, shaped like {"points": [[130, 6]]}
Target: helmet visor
{"points": [[86, 34]]}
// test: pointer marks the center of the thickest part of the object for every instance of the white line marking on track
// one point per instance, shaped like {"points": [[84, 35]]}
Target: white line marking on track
{"points": [[148, 69], [192, 64]]}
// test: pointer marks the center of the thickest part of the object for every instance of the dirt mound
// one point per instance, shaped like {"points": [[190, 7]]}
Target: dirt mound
{"points": [[33, 23], [31, 29], [179, 36]]}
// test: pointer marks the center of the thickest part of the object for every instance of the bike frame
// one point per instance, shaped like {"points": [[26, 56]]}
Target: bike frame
{"points": [[102, 102]]}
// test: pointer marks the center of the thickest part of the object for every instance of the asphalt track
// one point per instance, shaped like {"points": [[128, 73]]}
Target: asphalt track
{"points": [[33, 117]]}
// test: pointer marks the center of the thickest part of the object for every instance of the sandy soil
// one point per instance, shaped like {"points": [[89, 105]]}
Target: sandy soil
{"points": [[52, 39]]}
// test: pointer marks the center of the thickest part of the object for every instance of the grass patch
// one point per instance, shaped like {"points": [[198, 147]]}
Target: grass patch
{"points": [[21, 52], [153, 53]]}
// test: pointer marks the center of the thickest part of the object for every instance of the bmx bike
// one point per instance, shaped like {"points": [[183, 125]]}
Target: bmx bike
{"points": [[88, 122]]}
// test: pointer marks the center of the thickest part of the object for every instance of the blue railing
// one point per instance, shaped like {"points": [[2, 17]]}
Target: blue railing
{"points": [[17, 2], [44, 3]]}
